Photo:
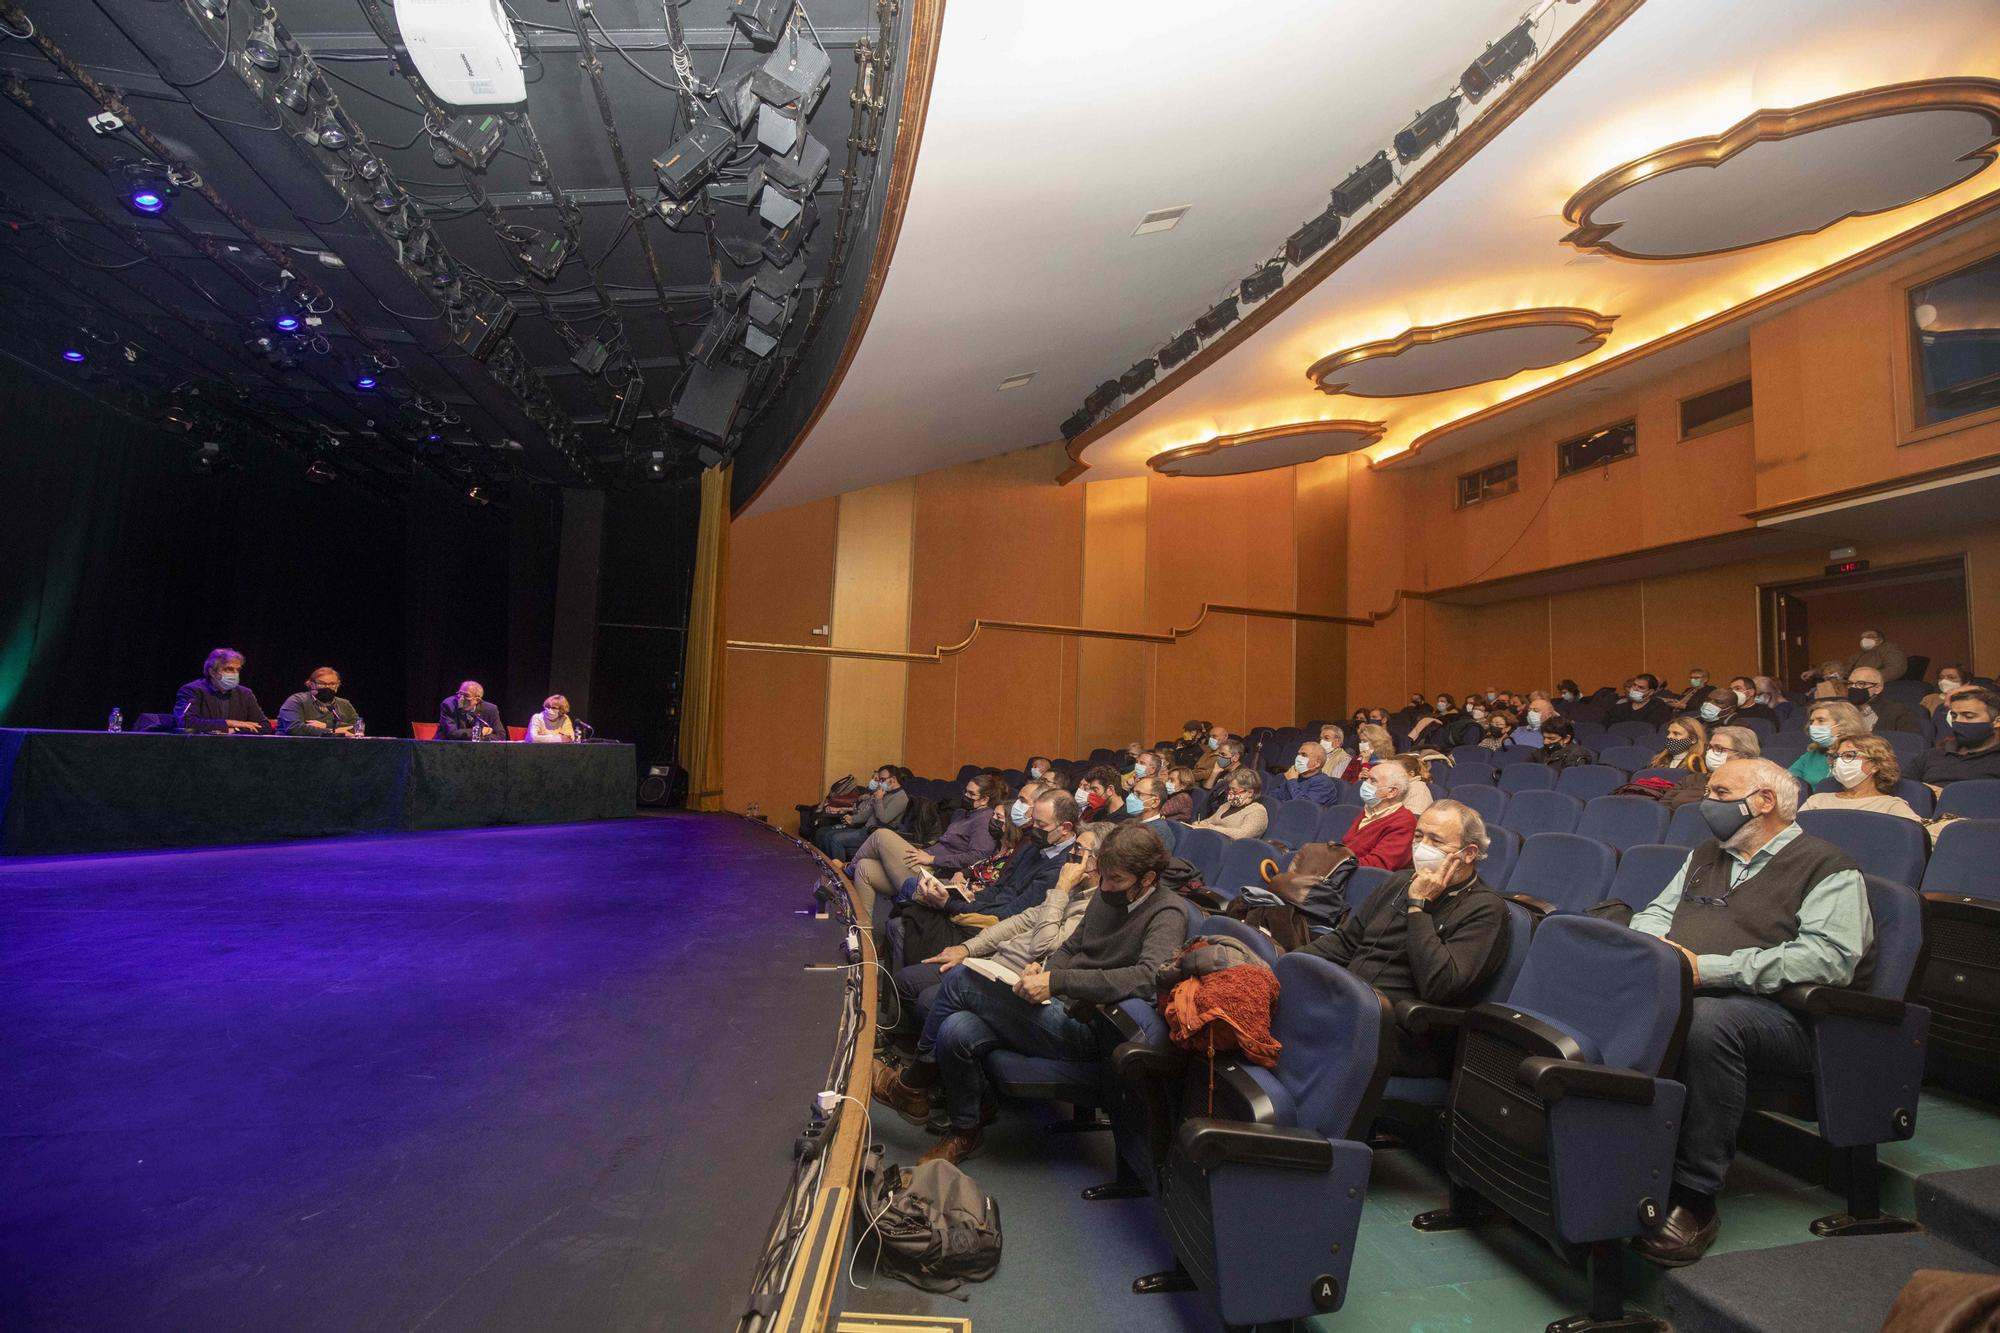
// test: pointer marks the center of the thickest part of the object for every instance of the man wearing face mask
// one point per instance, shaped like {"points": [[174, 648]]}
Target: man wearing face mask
{"points": [[1642, 703], [1099, 796], [1972, 747], [886, 858], [883, 807], [1382, 835], [937, 918], [1192, 744], [1214, 770], [1879, 653], [1038, 768], [466, 716], [1306, 779], [1143, 803], [1559, 749], [1749, 700], [1212, 761], [1334, 742], [318, 709], [1761, 906], [1432, 933], [218, 701], [1697, 689], [1718, 708], [1864, 691]]}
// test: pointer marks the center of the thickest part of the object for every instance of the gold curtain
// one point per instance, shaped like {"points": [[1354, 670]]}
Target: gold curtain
{"points": [[701, 691]]}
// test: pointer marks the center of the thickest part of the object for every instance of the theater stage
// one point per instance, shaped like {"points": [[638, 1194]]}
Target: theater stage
{"points": [[538, 1078]]}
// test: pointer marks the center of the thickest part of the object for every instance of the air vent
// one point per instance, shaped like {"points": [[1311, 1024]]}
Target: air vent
{"points": [[1161, 219], [1718, 409], [1016, 381]]}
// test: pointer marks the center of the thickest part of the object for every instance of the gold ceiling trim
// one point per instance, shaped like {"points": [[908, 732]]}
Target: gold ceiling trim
{"points": [[1501, 111], [1593, 327], [1772, 126], [1165, 462], [1168, 637], [1944, 223]]}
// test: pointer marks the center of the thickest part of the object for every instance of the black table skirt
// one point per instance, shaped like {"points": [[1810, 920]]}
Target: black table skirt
{"points": [[86, 791]]}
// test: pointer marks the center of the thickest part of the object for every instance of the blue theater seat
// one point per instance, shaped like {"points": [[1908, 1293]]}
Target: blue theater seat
{"points": [[1407, 1099], [1501, 854], [1363, 883], [1475, 756], [1262, 1203], [1633, 732], [1334, 821], [1631, 758], [1907, 744], [1623, 821], [1165, 830], [1526, 777], [1466, 774], [1644, 872], [1532, 812], [1673, 775], [1242, 866], [1254, 939], [1961, 982], [1884, 845], [1561, 872], [1203, 848], [1560, 1114], [1293, 823], [1587, 782], [1490, 802], [1686, 827], [1978, 798], [1512, 755]]}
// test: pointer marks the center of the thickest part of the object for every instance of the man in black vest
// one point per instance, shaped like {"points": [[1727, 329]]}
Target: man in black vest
{"points": [[1761, 907]]}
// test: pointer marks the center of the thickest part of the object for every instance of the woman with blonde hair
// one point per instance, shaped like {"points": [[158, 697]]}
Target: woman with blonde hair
{"points": [[1867, 771], [553, 722], [1687, 743], [1372, 748], [1829, 723], [1179, 805]]}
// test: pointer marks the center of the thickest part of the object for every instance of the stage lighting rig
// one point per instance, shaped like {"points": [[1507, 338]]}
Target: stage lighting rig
{"points": [[693, 158], [1077, 423], [206, 459], [724, 323], [656, 465], [1103, 396], [782, 244], [762, 21], [778, 283], [1139, 376], [1263, 281], [627, 401], [74, 355], [1180, 349], [1311, 238], [795, 74], [473, 140], [261, 49], [709, 400], [1498, 62], [1219, 317], [330, 134], [783, 184], [591, 357], [1431, 125], [1362, 184], [295, 92], [483, 324], [542, 253], [319, 472], [147, 188]]}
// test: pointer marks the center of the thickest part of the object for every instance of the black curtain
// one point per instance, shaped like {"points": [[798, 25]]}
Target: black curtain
{"points": [[646, 581], [120, 568]]}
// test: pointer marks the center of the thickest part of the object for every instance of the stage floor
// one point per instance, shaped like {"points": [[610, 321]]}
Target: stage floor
{"points": [[530, 1078]]}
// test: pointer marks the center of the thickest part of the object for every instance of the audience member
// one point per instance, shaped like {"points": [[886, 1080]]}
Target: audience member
{"points": [[1753, 698], [1951, 677], [1178, 807], [1237, 813], [466, 716], [939, 915], [1864, 691], [1724, 744], [1333, 740], [1306, 780], [1867, 771], [1827, 723], [1558, 748], [1373, 743], [1432, 933], [1500, 728], [1219, 763], [1719, 707], [553, 724], [1417, 797], [1971, 749], [1381, 835], [1642, 703], [1761, 906], [1038, 767], [318, 709], [883, 807], [1144, 801], [219, 701], [1099, 796], [1877, 652], [1698, 687], [1128, 932], [1192, 745], [886, 859], [1686, 740], [1538, 709]]}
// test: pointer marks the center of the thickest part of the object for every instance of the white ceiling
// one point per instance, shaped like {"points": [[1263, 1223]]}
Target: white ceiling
{"points": [[1050, 132]]}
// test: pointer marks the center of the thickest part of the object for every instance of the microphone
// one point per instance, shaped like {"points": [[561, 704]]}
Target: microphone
{"points": [[584, 729]]}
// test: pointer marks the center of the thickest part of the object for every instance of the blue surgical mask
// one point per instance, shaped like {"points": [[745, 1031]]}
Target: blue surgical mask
{"points": [[1820, 735], [1172, 786], [1534, 718], [1367, 792], [1133, 805], [228, 680], [1214, 744], [874, 784], [1636, 696], [1301, 764], [1018, 812], [1222, 761], [1710, 712]]}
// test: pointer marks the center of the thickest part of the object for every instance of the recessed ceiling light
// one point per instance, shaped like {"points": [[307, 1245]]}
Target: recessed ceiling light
{"points": [[1016, 381], [1160, 219]]}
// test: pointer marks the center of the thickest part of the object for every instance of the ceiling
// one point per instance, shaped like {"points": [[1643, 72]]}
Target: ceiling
{"points": [[1045, 146], [1017, 253], [174, 325]]}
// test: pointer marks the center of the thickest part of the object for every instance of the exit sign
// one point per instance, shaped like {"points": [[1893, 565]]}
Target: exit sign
{"points": [[1847, 567]]}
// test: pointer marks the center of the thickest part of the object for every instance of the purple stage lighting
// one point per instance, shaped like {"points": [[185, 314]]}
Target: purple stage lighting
{"points": [[287, 323], [73, 356]]}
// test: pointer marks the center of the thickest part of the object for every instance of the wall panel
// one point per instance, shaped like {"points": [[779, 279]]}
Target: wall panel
{"points": [[1113, 677], [865, 700]]}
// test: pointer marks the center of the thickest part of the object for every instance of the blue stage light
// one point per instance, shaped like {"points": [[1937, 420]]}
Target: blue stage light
{"points": [[147, 200], [364, 381], [287, 323], [73, 356]]}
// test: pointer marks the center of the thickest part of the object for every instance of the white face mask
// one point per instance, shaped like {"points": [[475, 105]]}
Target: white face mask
{"points": [[1426, 857], [1036, 772], [1367, 750], [1082, 795], [1636, 695], [1534, 718], [1741, 697], [1946, 683], [1848, 772], [1866, 644], [551, 716], [1301, 764], [1710, 712], [1717, 758]]}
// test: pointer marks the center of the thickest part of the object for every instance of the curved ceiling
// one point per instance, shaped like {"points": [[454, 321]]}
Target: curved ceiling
{"points": [[1048, 137], [1491, 238]]}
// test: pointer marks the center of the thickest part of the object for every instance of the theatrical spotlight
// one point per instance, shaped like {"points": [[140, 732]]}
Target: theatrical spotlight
{"points": [[478, 497], [1077, 423], [319, 472], [1262, 282], [148, 188], [331, 135], [656, 465], [1430, 126], [761, 20], [364, 379], [1499, 60], [295, 93], [286, 322], [1139, 376], [262, 50], [1180, 349], [1219, 317], [795, 74], [693, 158], [1309, 240], [74, 355], [1362, 184]]}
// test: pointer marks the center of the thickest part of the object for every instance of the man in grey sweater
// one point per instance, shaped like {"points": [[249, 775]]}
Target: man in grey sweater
{"points": [[1130, 929], [883, 807]]}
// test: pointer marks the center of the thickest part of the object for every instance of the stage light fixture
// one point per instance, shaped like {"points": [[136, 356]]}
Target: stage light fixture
{"points": [[777, 128], [693, 158], [368, 168], [1180, 349], [543, 253], [295, 93], [478, 497], [1313, 237], [739, 104], [795, 74], [776, 282], [656, 465], [364, 380], [1263, 281], [286, 323], [385, 200], [628, 400], [1362, 184], [331, 135], [147, 188], [762, 21], [483, 325], [473, 140], [74, 356], [591, 357], [709, 401], [757, 342], [1499, 60], [787, 182], [1103, 396], [1139, 376], [1077, 423], [262, 50], [724, 322], [1431, 125], [1219, 317], [783, 244], [205, 460], [319, 472]]}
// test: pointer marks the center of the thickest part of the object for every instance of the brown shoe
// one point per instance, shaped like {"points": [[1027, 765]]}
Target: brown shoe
{"points": [[1682, 1238], [955, 1146], [913, 1104]]}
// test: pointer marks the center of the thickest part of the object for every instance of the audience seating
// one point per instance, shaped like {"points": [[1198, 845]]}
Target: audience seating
{"points": [[1335, 820], [1512, 755], [1242, 866], [1961, 983], [1501, 854], [1868, 1059], [1490, 802], [1203, 848], [1644, 872], [1673, 775], [1293, 823], [1463, 774], [1401, 1096], [1259, 943], [1631, 758], [1204, 800], [1686, 827], [1531, 812], [1764, 727], [1976, 799], [1165, 830], [1471, 756], [1560, 1113], [1561, 872], [1907, 744], [1635, 733], [1526, 777], [1915, 793], [1262, 1206], [1587, 782], [1885, 845], [1361, 885], [1623, 821], [1784, 750]]}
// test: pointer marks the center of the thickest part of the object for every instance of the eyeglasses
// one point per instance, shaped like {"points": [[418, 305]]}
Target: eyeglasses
{"points": [[1688, 894]]}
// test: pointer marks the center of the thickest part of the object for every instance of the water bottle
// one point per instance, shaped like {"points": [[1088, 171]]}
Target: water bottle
{"points": [[360, 725], [117, 722]]}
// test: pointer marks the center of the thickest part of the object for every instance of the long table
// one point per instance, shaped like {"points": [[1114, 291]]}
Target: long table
{"points": [[88, 791]]}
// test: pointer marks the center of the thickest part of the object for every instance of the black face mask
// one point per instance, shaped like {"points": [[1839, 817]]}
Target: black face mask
{"points": [[325, 693], [1676, 744], [1858, 695]]}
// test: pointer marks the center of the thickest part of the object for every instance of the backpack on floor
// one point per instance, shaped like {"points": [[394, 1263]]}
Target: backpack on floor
{"points": [[934, 1227]]}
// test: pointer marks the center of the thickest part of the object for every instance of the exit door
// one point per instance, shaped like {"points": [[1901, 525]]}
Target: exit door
{"points": [[1792, 639]]}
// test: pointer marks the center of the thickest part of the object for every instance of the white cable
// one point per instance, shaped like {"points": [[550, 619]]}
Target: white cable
{"points": [[27, 36]]}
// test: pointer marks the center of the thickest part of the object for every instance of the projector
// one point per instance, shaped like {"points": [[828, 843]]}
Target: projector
{"points": [[466, 50]]}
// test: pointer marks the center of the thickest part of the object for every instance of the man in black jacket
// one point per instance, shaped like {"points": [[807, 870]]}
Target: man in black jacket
{"points": [[219, 701], [466, 716], [1433, 933]]}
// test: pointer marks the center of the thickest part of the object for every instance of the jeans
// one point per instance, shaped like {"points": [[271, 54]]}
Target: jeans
{"points": [[841, 841], [912, 983], [1729, 1038], [988, 1016]]}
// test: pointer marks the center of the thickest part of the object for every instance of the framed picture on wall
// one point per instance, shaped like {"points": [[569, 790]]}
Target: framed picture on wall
{"points": [[1953, 332]]}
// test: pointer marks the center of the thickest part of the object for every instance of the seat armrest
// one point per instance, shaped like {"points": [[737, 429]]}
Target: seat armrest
{"points": [[1420, 1019], [1539, 906], [1502, 1018], [1552, 1080], [1209, 1143], [1817, 1001], [1137, 1061]]}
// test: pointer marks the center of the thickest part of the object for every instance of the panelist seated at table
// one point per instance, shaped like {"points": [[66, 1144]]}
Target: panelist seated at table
{"points": [[318, 709], [219, 701], [553, 724], [466, 716]]}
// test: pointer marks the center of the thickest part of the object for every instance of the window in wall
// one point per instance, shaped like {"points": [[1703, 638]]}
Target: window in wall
{"points": [[1499, 479], [1955, 325], [1718, 409], [1607, 444]]}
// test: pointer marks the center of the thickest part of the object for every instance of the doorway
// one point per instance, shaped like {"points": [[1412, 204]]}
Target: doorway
{"points": [[1922, 608]]}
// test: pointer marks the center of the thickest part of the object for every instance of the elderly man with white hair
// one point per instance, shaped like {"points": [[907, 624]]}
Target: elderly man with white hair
{"points": [[1761, 906]]}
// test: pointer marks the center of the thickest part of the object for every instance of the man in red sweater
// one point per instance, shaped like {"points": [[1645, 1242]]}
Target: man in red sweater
{"points": [[1381, 837]]}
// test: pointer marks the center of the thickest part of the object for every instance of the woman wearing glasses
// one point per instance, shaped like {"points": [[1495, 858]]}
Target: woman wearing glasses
{"points": [[1867, 771]]}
